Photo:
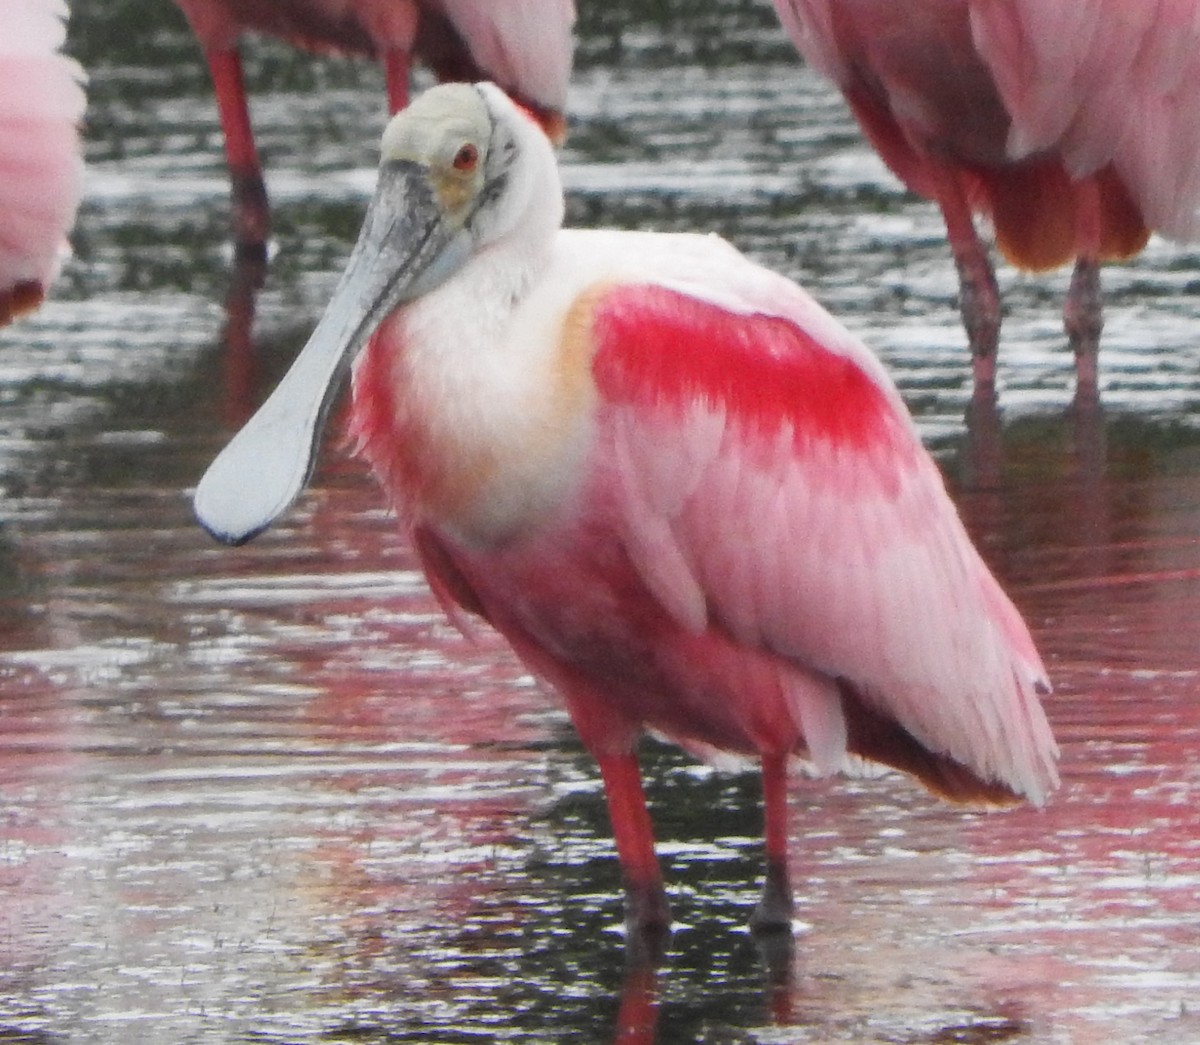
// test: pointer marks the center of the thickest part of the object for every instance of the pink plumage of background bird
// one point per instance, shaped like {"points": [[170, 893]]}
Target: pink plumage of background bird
{"points": [[1074, 125], [685, 494], [41, 165], [524, 45]]}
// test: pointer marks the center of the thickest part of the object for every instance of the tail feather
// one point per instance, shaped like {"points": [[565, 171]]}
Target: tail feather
{"points": [[873, 736]]}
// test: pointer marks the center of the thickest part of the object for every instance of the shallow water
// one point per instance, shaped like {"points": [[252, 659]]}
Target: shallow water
{"points": [[270, 795]]}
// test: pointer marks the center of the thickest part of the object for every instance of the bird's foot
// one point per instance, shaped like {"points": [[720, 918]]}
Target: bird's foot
{"points": [[1086, 404], [984, 406], [646, 945], [773, 913], [1087, 371], [1083, 320], [251, 216], [772, 926], [983, 372], [983, 452], [647, 925], [647, 922]]}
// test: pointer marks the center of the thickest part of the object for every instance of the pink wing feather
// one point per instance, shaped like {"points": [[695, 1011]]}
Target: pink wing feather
{"points": [[1105, 81], [41, 169], [1092, 82], [773, 486]]}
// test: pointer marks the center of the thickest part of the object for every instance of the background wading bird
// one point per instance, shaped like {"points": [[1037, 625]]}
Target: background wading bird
{"points": [[41, 166], [524, 45], [686, 496], [1074, 125]]}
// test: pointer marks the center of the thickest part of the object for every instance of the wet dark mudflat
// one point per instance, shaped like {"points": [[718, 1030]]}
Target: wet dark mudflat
{"points": [[270, 795]]}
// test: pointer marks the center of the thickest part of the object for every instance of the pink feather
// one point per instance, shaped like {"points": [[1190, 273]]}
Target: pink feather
{"points": [[686, 496], [758, 524], [41, 167]]}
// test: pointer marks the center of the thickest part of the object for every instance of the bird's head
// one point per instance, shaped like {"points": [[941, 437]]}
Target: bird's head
{"points": [[461, 169], [486, 160]]}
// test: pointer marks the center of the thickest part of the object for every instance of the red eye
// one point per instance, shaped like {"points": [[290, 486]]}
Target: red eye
{"points": [[466, 158]]}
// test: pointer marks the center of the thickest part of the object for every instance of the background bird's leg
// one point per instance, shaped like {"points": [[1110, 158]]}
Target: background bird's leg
{"points": [[774, 910], [978, 296], [251, 215], [647, 913], [397, 64], [240, 358], [1083, 317], [397, 24]]}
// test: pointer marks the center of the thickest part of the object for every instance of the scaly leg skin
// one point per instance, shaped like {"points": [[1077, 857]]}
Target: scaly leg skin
{"points": [[979, 295], [775, 908], [241, 361], [647, 913], [251, 212], [983, 452], [771, 921], [1083, 317]]}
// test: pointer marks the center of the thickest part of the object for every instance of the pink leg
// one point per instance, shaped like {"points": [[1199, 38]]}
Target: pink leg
{"points": [[979, 296], [647, 912], [397, 65], [250, 210], [1082, 312], [774, 910]]}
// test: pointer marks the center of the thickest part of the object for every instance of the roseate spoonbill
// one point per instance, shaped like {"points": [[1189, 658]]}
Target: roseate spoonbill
{"points": [[41, 167], [1074, 126], [686, 495], [523, 45]]}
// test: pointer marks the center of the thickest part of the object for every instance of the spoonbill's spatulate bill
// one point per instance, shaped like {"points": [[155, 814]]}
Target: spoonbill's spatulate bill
{"points": [[687, 497], [1073, 125], [41, 166], [525, 46]]}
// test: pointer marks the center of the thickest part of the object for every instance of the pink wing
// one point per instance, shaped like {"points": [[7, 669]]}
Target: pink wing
{"points": [[41, 170], [772, 484], [912, 75], [810, 25], [1090, 81], [1105, 81]]}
